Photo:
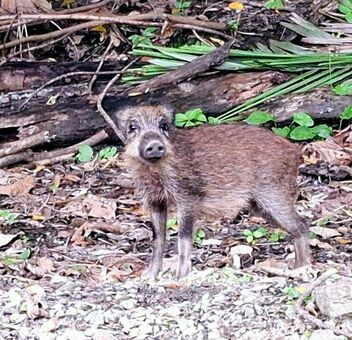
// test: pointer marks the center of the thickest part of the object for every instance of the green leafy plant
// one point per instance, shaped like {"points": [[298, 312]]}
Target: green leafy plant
{"points": [[7, 217], [190, 118], [145, 38], [292, 292], [346, 113], [252, 236], [26, 253], [199, 237], [85, 154], [345, 7], [343, 89], [259, 118], [244, 278], [277, 236], [182, 5], [194, 117], [107, 152], [274, 4]]}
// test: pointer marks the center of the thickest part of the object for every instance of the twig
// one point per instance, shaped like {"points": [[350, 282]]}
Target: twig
{"points": [[52, 35], [90, 85], [189, 70], [101, 98], [45, 158], [202, 29], [51, 81], [24, 143], [304, 314], [12, 55]]}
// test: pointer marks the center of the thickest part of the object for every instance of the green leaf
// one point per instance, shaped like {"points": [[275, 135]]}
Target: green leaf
{"points": [[200, 233], [260, 232], [348, 17], [292, 292], [149, 32], [107, 152], [214, 120], [7, 216], [171, 223], [344, 89], [322, 130], [274, 237], [250, 238], [274, 4], [347, 113], [283, 132], [25, 254], [247, 232], [9, 261], [85, 153], [259, 117], [302, 133], [303, 119], [344, 9], [190, 124]]}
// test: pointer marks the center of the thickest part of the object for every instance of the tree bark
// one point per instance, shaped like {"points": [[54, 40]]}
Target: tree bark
{"points": [[73, 117]]}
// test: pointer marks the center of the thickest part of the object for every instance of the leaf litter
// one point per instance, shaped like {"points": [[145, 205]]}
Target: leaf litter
{"points": [[71, 261]]}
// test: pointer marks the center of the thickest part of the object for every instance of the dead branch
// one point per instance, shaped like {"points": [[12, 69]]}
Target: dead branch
{"points": [[101, 98], [187, 71], [24, 143]]}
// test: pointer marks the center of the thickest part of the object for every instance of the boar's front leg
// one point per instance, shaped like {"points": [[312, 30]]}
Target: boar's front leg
{"points": [[158, 213], [185, 235]]}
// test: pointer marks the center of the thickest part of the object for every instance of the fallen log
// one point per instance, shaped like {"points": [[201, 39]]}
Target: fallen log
{"points": [[72, 117]]}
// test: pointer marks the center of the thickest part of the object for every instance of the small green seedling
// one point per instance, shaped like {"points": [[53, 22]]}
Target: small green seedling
{"points": [[26, 253], [194, 117], [277, 236], [85, 154], [274, 4], [199, 236], [145, 38], [346, 113], [190, 118], [7, 217], [244, 278], [108, 152], [251, 236], [292, 292]]}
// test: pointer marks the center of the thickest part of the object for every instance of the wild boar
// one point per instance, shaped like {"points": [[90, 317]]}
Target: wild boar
{"points": [[209, 171]]}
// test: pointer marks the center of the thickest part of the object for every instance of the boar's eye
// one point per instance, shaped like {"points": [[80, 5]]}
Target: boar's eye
{"points": [[164, 126], [132, 127]]}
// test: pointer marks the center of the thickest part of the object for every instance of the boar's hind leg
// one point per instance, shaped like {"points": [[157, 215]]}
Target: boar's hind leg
{"points": [[158, 214], [281, 209], [185, 235]]}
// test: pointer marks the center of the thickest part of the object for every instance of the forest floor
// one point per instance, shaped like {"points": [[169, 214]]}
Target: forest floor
{"points": [[76, 241]]}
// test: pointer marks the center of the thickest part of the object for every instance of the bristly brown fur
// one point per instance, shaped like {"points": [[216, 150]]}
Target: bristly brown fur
{"points": [[213, 171]]}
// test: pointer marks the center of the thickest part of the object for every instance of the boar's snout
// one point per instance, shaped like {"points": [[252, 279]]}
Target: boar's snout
{"points": [[152, 149]]}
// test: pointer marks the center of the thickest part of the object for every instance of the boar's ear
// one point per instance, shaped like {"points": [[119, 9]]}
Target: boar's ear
{"points": [[121, 117], [168, 112]]}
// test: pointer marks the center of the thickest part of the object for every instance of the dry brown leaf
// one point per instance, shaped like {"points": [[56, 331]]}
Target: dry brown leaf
{"points": [[45, 263], [324, 232], [99, 207], [50, 325], [18, 6], [6, 239], [21, 187], [80, 237], [328, 151]]}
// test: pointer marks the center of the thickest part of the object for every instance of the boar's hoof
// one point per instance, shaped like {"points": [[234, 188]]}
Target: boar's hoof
{"points": [[183, 269]]}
